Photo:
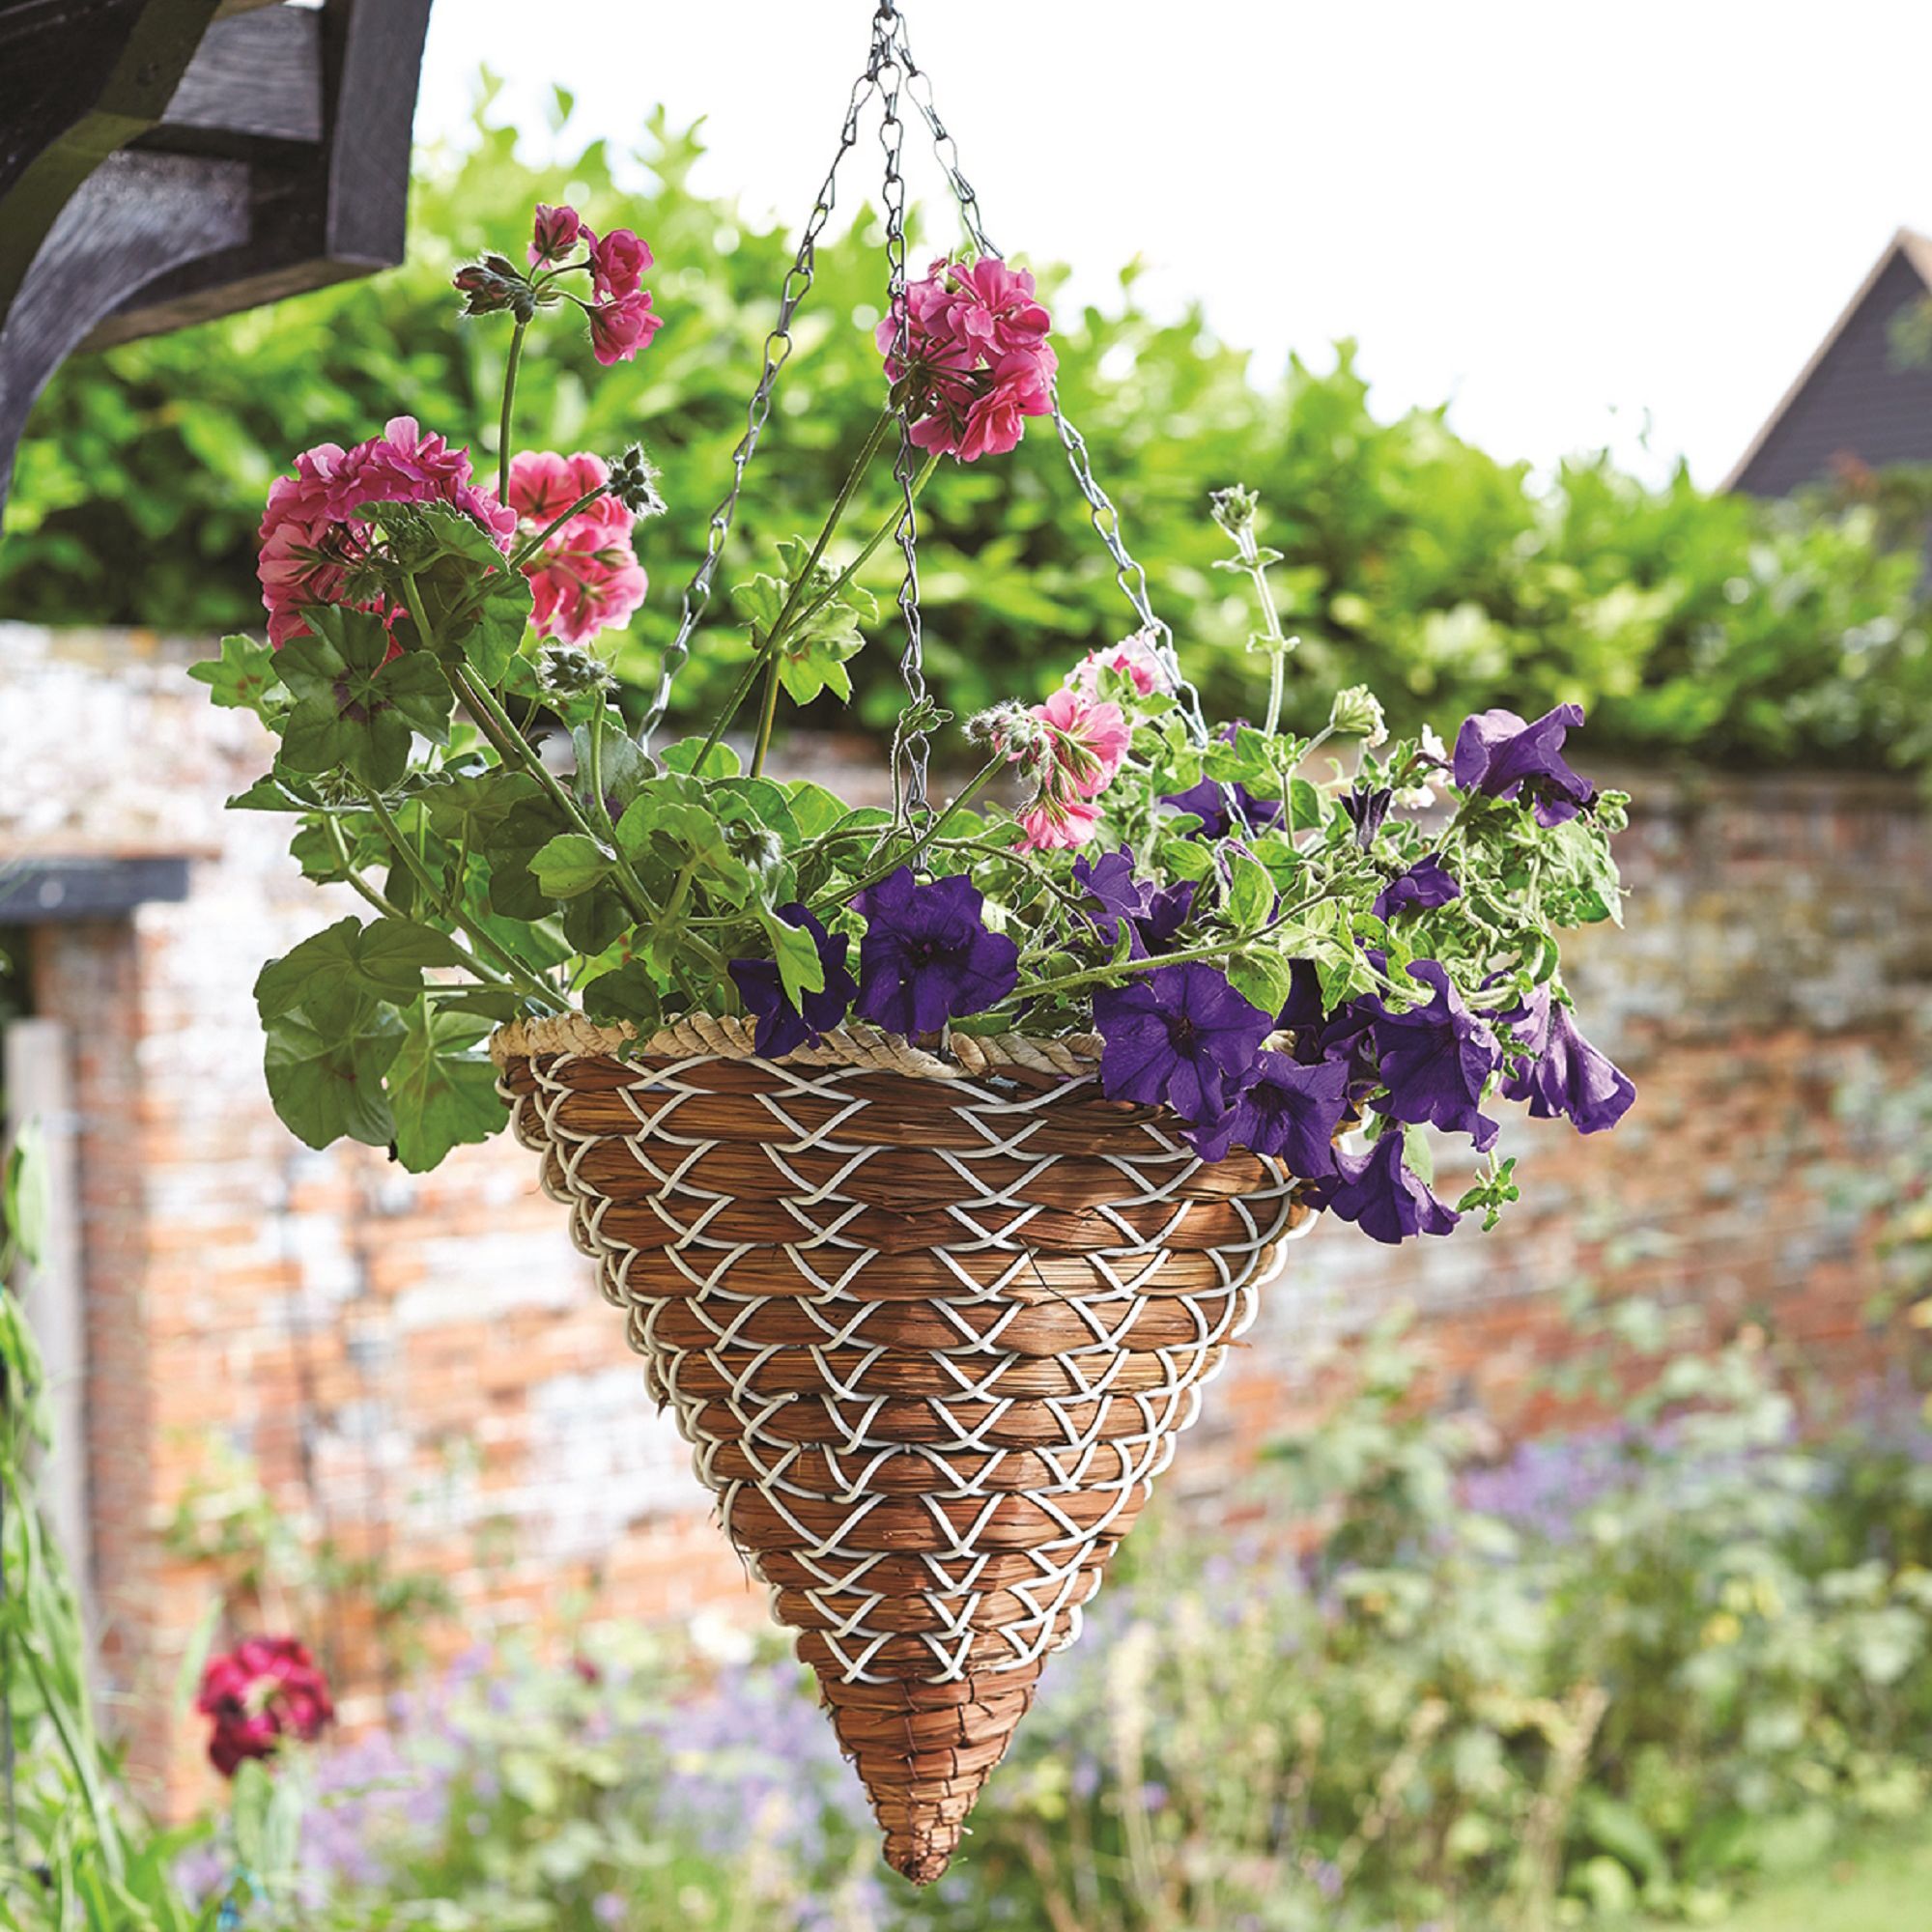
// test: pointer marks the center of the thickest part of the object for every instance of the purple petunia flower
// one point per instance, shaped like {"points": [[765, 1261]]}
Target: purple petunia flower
{"points": [[1155, 918], [1288, 1109], [1435, 1059], [1225, 808], [927, 956], [782, 1028], [1425, 886], [1377, 1192], [1497, 752], [1568, 1074], [1367, 808], [1179, 1034], [1342, 1035]]}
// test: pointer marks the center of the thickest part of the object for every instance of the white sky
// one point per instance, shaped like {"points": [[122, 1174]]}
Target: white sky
{"points": [[1568, 218]]}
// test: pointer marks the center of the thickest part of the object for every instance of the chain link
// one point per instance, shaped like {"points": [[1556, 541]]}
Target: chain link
{"points": [[777, 350], [1100, 510]]}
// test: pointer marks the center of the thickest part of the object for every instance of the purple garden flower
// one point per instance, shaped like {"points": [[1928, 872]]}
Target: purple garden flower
{"points": [[1155, 918], [1367, 808], [1288, 1110], [1225, 808], [1425, 886], [1376, 1191], [1497, 752], [927, 956], [1343, 1035], [1568, 1074], [1435, 1059], [782, 1028], [1181, 1034]]}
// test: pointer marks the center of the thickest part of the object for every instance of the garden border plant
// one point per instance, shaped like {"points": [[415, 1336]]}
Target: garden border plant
{"points": [[930, 1256]]}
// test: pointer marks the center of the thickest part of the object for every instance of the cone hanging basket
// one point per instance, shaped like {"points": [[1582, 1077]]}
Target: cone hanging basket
{"points": [[932, 1328]]}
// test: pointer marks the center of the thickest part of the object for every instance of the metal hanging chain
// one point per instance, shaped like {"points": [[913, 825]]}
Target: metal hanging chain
{"points": [[1101, 512], [777, 350], [910, 748]]}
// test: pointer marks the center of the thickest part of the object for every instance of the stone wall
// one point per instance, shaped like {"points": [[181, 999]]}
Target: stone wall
{"points": [[420, 1369]]}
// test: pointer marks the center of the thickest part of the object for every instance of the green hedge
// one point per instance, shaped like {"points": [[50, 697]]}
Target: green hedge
{"points": [[1691, 625]]}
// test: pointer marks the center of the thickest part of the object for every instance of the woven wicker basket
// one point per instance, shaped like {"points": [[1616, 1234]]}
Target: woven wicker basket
{"points": [[932, 1337]]}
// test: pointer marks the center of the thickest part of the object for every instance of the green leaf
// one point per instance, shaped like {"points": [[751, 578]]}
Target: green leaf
{"points": [[1251, 892], [1419, 1152], [443, 1093], [814, 810], [801, 971], [720, 763], [347, 968], [474, 605], [245, 678], [325, 1085], [627, 992], [569, 865], [1262, 978], [355, 708]]}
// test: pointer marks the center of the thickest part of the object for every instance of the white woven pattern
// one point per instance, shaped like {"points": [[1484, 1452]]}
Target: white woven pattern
{"points": [[928, 1473]]}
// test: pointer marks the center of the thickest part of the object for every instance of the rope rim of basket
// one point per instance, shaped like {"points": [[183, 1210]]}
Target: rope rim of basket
{"points": [[732, 1036]]}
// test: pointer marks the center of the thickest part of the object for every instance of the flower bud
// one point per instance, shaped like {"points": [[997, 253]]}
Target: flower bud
{"points": [[1357, 713], [634, 482], [567, 670], [1236, 509], [554, 232]]}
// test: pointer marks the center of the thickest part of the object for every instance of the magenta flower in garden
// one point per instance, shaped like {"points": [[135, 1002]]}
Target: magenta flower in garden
{"points": [[1435, 1059], [313, 535], [1497, 753], [554, 232], [622, 325], [1288, 1109], [1179, 1034], [976, 358], [1425, 886], [781, 1026], [586, 577], [927, 956], [1378, 1193], [1568, 1075], [265, 1689], [618, 263]]}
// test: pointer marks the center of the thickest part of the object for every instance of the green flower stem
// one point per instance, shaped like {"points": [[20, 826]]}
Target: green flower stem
{"points": [[768, 648], [519, 975], [529, 547], [872, 543], [978, 782], [1278, 645], [509, 403]]}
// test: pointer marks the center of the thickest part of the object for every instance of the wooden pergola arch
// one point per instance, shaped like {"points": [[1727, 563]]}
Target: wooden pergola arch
{"points": [[163, 161]]}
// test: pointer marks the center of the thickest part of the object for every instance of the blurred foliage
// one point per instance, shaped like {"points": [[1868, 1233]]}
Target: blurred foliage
{"points": [[1714, 628]]}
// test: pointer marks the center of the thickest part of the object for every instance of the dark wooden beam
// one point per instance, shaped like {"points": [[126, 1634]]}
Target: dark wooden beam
{"points": [[314, 108], [40, 891]]}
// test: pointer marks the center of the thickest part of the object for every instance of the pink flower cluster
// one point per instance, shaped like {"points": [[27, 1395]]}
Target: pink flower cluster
{"points": [[1134, 657], [586, 577], [621, 320], [311, 536], [976, 355], [1073, 753], [265, 1689]]}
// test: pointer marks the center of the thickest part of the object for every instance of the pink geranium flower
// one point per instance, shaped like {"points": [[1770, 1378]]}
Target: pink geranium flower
{"points": [[586, 577], [621, 326], [555, 231], [976, 356], [1057, 824], [1134, 657], [618, 263], [1087, 740], [313, 537]]}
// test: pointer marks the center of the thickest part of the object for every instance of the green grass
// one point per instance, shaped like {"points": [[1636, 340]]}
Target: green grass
{"points": [[1884, 1886]]}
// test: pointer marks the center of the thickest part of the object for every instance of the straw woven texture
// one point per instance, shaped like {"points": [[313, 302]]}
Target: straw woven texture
{"points": [[930, 1336]]}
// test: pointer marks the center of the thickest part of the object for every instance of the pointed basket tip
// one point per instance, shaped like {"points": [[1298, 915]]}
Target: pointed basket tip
{"points": [[921, 1857]]}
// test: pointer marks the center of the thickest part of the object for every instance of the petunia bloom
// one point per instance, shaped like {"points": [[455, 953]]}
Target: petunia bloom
{"points": [[586, 577], [1287, 1110], [1378, 1193], [1180, 1036], [974, 360], [266, 1690], [1367, 808], [1435, 1059], [1497, 753], [622, 325], [782, 1028], [1225, 808], [1567, 1074], [1155, 918], [314, 537], [1425, 886], [927, 956]]}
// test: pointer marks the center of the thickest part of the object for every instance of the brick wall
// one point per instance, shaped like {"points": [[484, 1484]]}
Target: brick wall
{"points": [[420, 1368]]}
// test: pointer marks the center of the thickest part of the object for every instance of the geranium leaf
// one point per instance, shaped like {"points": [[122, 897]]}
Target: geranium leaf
{"points": [[328, 1084], [245, 678], [441, 1091]]}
